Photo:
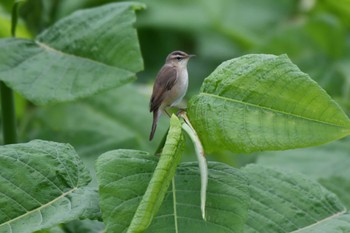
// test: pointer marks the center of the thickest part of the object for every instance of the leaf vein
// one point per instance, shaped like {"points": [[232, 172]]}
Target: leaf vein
{"points": [[39, 208], [321, 221], [276, 111]]}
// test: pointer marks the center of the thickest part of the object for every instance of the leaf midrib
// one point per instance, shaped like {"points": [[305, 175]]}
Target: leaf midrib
{"points": [[41, 207], [321, 221], [278, 111]]}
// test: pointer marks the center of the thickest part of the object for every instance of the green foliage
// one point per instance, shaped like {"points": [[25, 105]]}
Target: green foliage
{"points": [[290, 202], [155, 192], [270, 198], [124, 179], [251, 103], [328, 164], [72, 54], [244, 91], [43, 184], [160, 181]]}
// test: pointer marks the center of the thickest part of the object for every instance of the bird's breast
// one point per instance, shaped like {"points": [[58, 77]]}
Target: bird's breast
{"points": [[180, 88]]}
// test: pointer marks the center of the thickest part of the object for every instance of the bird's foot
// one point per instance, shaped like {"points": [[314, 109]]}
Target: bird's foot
{"points": [[180, 111]]}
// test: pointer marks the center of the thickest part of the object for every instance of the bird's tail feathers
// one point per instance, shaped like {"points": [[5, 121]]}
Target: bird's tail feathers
{"points": [[156, 115]]}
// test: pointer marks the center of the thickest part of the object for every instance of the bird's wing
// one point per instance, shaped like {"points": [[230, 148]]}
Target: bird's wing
{"points": [[165, 80]]}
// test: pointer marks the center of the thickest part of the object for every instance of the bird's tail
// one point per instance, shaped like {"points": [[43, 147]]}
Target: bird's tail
{"points": [[156, 114]]}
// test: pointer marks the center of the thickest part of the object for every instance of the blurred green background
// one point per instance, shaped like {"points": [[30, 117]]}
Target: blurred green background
{"points": [[314, 34]]}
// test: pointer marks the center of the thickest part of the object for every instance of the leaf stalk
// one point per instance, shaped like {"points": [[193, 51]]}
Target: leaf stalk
{"points": [[8, 113], [202, 162]]}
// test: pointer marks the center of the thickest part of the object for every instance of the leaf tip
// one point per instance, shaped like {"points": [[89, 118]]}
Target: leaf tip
{"points": [[203, 215]]}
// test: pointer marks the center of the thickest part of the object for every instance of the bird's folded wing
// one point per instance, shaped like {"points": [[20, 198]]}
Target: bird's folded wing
{"points": [[165, 80]]}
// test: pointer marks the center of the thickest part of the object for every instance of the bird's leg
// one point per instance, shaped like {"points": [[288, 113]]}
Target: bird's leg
{"points": [[181, 110], [167, 113]]}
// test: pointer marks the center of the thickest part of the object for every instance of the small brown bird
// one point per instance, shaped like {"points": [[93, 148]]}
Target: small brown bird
{"points": [[170, 85]]}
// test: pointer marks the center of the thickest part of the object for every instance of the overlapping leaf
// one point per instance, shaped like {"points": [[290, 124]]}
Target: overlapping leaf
{"points": [[42, 184], [87, 52], [161, 178], [124, 176], [264, 102], [276, 200], [289, 202], [329, 164]]}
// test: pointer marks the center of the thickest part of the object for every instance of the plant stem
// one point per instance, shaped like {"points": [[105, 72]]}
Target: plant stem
{"points": [[174, 205], [9, 128], [202, 162], [8, 114]]}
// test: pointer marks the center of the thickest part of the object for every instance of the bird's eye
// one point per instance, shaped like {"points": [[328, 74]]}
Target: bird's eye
{"points": [[178, 58]]}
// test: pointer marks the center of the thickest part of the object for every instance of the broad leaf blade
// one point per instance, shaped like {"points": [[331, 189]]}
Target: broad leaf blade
{"points": [[226, 205], [124, 176], [278, 201], [287, 202], [42, 184], [335, 224], [329, 164], [84, 53], [43, 75], [122, 183], [264, 102], [103, 34]]}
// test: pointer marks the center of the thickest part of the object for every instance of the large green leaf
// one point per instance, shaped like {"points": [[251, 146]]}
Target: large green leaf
{"points": [[335, 224], [289, 202], [42, 184], [124, 176], [276, 200], [226, 204], [329, 164], [264, 102], [158, 185], [87, 52]]}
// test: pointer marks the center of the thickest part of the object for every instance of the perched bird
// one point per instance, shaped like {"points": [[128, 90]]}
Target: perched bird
{"points": [[170, 85]]}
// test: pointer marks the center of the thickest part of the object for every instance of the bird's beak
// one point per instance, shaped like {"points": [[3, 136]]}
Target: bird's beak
{"points": [[191, 55]]}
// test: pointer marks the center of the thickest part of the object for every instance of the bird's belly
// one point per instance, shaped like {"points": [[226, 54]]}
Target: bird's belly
{"points": [[179, 90]]}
